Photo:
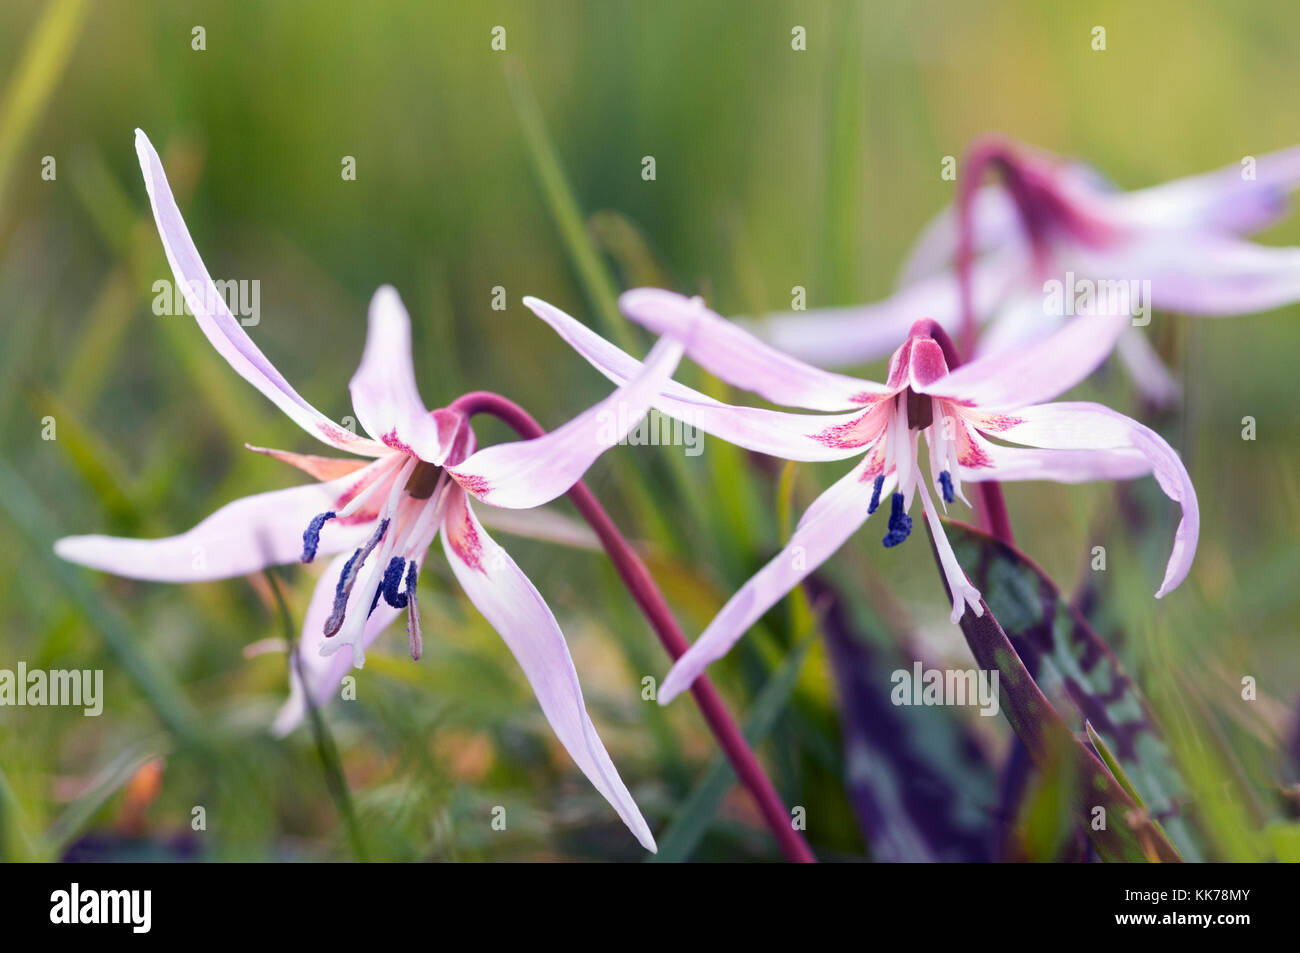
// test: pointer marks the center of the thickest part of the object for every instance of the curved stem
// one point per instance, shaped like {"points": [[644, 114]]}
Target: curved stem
{"points": [[632, 570]]}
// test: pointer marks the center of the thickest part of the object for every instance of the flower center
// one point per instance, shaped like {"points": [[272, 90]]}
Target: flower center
{"points": [[404, 526], [913, 416], [423, 481]]}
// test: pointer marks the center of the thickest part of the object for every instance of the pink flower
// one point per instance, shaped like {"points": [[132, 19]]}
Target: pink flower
{"points": [[1050, 232], [379, 515], [957, 412]]}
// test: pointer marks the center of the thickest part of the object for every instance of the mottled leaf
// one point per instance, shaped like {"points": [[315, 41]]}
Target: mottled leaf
{"points": [[1127, 833], [1076, 669]]}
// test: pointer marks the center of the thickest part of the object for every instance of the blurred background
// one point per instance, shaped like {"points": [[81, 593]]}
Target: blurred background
{"points": [[522, 169]]}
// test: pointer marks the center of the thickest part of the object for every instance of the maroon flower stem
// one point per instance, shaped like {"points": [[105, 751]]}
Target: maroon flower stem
{"points": [[641, 584], [992, 512]]}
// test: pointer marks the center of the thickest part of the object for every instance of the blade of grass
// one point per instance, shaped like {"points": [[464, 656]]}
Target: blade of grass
{"points": [[596, 278], [109, 780], [328, 752], [44, 58], [563, 204], [15, 843], [157, 687]]}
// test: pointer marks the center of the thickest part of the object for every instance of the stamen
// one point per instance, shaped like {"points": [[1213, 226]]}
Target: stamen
{"points": [[900, 524], [311, 535], [348, 578], [945, 484], [963, 593], [381, 474], [413, 612], [875, 494], [392, 580]]}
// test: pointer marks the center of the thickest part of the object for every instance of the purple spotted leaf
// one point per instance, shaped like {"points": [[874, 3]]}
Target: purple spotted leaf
{"points": [[1118, 827], [1077, 670]]}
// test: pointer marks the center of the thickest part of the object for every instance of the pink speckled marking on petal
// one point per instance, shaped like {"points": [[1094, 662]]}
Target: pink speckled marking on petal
{"points": [[391, 439], [867, 398], [473, 483], [969, 452], [858, 432], [995, 423], [461, 534]]}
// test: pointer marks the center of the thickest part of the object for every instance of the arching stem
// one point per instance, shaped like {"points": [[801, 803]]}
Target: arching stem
{"points": [[632, 570]]}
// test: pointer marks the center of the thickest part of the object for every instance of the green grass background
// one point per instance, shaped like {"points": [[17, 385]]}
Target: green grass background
{"points": [[774, 168]]}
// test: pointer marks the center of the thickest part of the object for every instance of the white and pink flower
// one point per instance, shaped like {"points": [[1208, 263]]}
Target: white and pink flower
{"points": [[970, 417], [377, 513]]}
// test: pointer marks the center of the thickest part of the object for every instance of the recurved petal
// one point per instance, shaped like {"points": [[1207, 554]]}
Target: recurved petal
{"points": [[323, 674], [1007, 464], [825, 526], [728, 351], [1036, 371], [218, 324], [839, 337], [1222, 199], [1199, 272], [778, 433], [384, 393], [241, 537], [513, 606], [526, 473], [1088, 426]]}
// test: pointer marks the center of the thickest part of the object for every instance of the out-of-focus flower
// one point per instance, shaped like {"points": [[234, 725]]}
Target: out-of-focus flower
{"points": [[957, 412], [1052, 239], [380, 515]]}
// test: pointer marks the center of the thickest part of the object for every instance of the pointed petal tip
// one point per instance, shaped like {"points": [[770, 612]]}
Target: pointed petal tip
{"points": [[671, 688], [288, 718], [146, 153], [66, 547]]}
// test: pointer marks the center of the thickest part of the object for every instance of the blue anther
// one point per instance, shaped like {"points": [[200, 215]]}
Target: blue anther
{"points": [[945, 484], [311, 535], [341, 591], [392, 580], [900, 524], [348, 577], [875, 494]]}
